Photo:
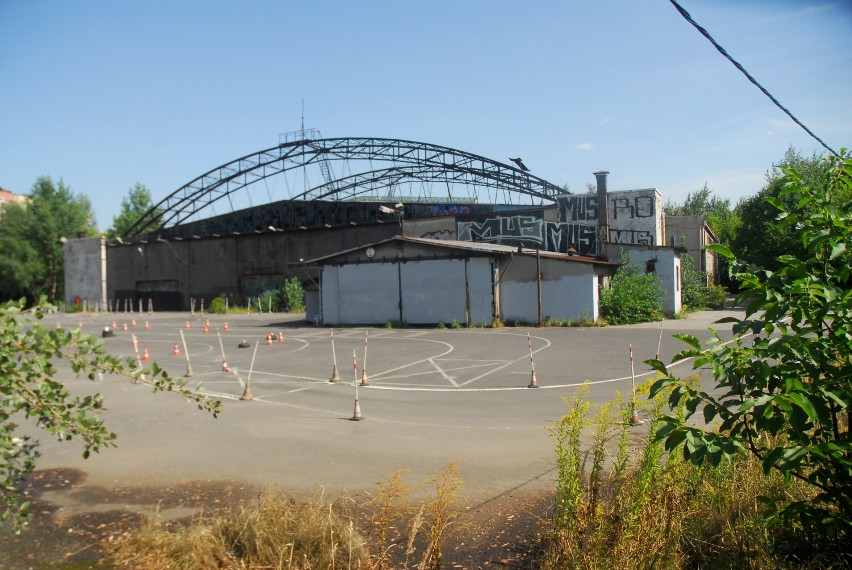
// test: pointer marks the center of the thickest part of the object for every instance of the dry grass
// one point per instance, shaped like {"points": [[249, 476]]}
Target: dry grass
{"points": [[281, 533], [275, 533], [660, 512]]}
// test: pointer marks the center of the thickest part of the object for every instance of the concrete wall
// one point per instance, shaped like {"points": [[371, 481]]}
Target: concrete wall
{"points": [[85, 271], [239, 266], [569, 290]]}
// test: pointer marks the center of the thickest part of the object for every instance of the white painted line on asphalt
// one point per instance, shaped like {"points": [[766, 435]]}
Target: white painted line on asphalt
{"points": [[444, 374]]}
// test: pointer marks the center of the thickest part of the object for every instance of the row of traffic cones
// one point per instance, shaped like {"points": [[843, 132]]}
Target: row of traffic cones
{"points": [[124, 327]]}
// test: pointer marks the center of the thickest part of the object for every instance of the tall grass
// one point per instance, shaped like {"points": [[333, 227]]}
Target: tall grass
{"points": [[284, 534], [276, 532], [653, 510]]}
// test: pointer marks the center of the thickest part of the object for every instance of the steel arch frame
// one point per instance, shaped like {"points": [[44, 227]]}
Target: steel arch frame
{"points": [[418, 161]]}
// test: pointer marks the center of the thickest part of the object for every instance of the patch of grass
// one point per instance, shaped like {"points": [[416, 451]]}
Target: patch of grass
{"points": [[277, 532], [658, 511]]}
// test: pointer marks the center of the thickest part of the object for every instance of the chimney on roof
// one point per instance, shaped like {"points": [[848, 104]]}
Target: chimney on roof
{"points": [[603, 209], [600, 177]]}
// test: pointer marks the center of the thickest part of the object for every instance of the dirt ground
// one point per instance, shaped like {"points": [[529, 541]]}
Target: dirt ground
{"points": [[72, 524]]}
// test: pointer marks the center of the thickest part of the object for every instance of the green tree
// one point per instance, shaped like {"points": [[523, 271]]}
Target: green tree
{"points": [[784, 386], [721, 218], [32, 260], [632, 296], [133, 206], [760, 239], [21, 267], [30, 356]]}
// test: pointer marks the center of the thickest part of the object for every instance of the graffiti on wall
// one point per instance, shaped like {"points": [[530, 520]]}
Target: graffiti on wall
{"points": [[576, 208], [641, 206], [440, 234], [642, 237], [531, 231], [439, 210], [632, 219]]}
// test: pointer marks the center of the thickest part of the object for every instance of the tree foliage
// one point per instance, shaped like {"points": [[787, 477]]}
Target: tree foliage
{"points": [[31, 256], [31, 354], [760, 239], [784, 384], [632, 296], [133, 206], [716, 211]]}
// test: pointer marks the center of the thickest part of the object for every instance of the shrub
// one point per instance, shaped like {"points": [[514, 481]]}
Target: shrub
{"points": [[783, 384], [217, 306], [292, 295], [632, 296]]}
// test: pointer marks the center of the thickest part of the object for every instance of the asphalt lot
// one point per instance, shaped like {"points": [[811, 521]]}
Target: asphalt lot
{"points": [[433, 395]]}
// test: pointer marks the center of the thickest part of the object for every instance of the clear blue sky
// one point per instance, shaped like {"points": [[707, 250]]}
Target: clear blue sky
{"points": [[104, 94]]}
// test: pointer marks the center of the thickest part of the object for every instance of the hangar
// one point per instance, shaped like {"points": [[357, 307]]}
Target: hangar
{"points": [[186, 248]]}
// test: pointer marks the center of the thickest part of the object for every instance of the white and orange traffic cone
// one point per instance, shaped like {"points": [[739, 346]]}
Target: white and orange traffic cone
{"points": [[147, 326], [145, 356], [280, 337], [176, 351]]}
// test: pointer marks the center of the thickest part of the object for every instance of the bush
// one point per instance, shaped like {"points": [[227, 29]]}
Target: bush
{"points": [[697, 295], [217, 306], [632, 296], [292, 295], [782, 388]]}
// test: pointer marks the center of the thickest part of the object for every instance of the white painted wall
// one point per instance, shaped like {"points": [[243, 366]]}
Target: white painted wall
{"points": [[569, 291], [360, 294], [433, 291], [667, 270]]}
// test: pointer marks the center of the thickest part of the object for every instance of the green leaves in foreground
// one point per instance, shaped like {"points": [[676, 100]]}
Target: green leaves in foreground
{"points": [[783, 386], [30, 355]]}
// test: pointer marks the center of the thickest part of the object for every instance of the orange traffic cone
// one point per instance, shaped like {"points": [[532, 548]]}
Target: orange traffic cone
{"points": [[280, 337], [114, 326], [269, 339], [176, 351], [124, 327], [147, 326], [145, 356], [80, 325], [186, 326], [226, 326], [206, 329], [133, 323], [225, 366]]}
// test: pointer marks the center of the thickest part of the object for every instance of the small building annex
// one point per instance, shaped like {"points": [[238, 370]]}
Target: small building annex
{"points": [[429, 281]]}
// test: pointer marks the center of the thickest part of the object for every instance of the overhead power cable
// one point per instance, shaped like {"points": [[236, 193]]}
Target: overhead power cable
{"points": [[722, 50]]}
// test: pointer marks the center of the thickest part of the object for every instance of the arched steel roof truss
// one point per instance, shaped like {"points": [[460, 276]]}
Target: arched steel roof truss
{"points": [[411, 160]]}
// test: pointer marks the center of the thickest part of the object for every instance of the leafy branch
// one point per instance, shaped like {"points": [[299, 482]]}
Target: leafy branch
{"points": [[30, 354]]}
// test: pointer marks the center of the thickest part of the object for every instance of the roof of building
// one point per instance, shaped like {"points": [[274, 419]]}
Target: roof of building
{"points": [[468, 246], [7, 196]]}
